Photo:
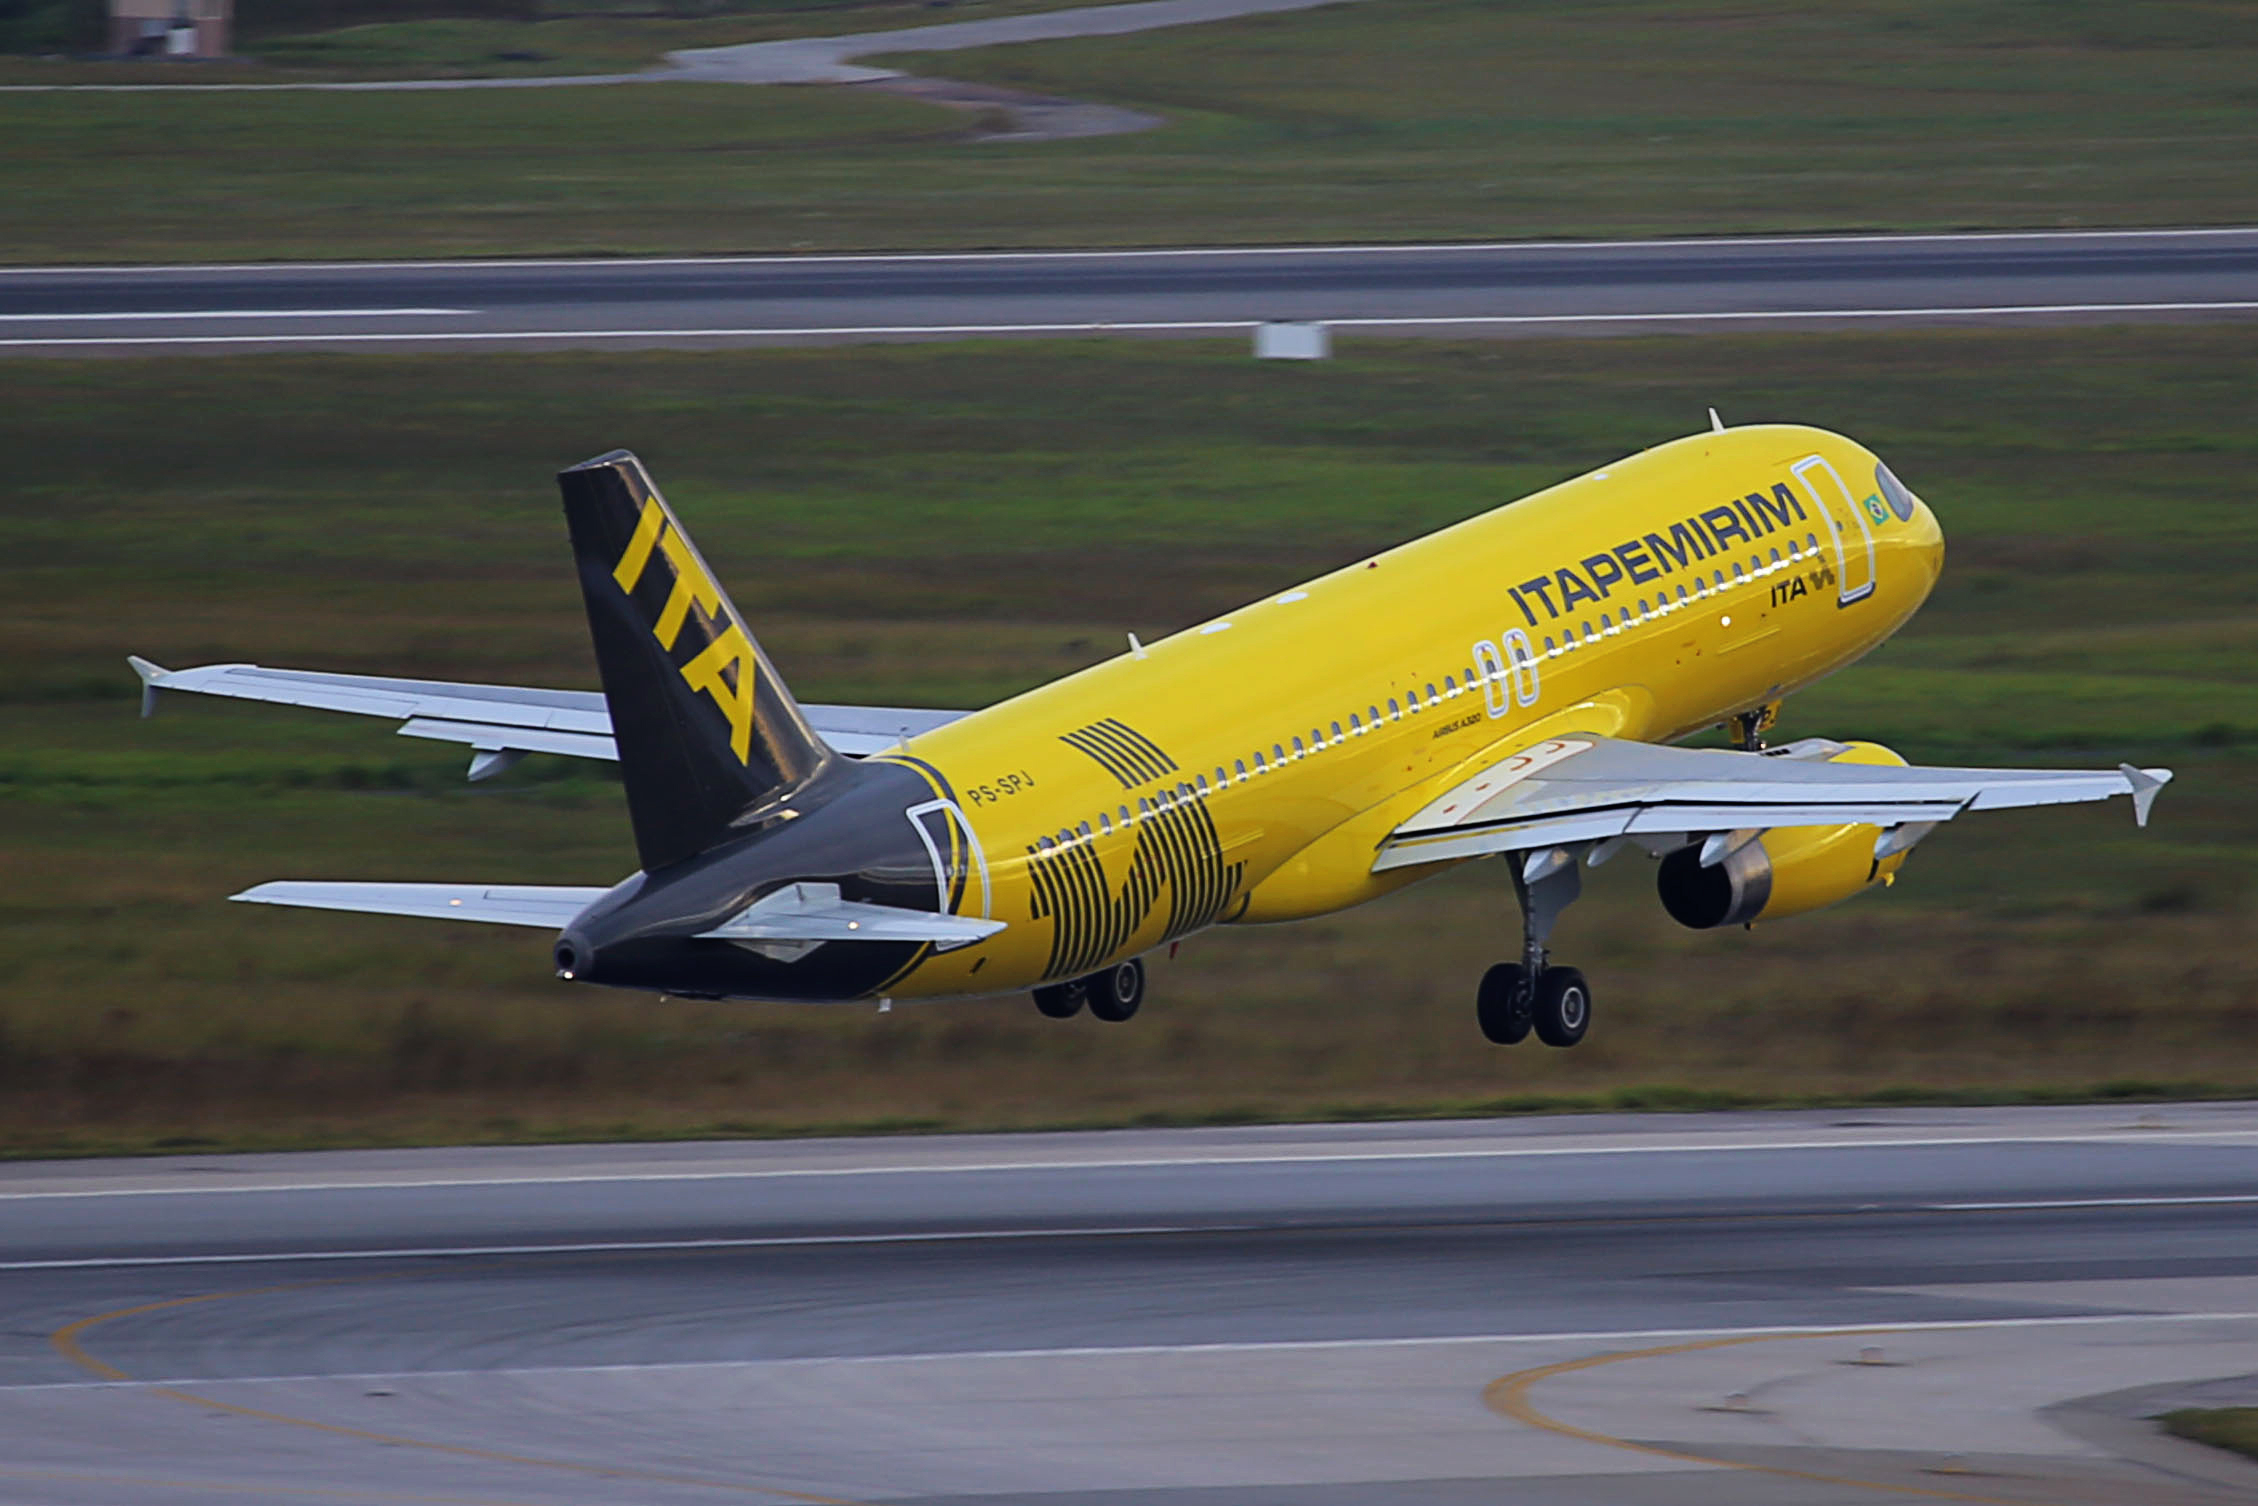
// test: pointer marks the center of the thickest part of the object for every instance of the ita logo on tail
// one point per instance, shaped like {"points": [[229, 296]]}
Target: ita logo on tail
{"points": [[726, 669]]}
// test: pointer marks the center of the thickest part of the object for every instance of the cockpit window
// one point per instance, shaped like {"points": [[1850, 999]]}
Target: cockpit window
{"points": [[1894, 492]]}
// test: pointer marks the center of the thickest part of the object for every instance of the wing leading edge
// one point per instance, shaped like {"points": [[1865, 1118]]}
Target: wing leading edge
{"points": [[500, 723], [1593, 789]]}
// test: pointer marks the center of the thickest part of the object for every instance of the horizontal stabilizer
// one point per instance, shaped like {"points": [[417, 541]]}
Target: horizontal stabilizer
{"points": [[550, 907], [815, 912]]}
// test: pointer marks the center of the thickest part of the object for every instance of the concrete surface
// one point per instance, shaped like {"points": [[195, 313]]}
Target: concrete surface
{"points": [[1965, 1304], [1511, 288]]}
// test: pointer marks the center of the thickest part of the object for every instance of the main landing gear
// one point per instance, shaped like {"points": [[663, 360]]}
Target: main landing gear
{"points": [[1518, 997], [1113, 994]]}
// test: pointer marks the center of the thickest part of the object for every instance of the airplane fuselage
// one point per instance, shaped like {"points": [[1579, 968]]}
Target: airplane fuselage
{"points": [[1247, 769]]}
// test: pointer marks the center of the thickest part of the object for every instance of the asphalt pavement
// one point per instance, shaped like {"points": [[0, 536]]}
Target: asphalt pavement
{"points": [[1973, 1305], [1503, 289]]}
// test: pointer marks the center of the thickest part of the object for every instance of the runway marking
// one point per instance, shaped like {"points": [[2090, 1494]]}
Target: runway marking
{"points": [[928, 1236], [2020, 1205], [615, 1247], [142, 1483], [1163, 326], [1147, 253], [1508, 1396], [2130, 1135], [69, 1342], [1143, 1351], [234, 314]]}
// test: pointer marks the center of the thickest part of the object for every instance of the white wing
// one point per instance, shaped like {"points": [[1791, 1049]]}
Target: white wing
{"points": [[500, 722], [1590, 789]]}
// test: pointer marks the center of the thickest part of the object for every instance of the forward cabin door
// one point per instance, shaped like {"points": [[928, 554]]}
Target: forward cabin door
{"points": [[1852, 540]]}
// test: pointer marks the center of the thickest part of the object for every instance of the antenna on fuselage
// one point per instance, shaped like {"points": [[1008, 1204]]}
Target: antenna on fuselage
{"points": [[1716, 424], [1136, 649]]}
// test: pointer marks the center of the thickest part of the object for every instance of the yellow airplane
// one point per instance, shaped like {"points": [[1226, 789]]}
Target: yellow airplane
{"points": [[1510, 686]]}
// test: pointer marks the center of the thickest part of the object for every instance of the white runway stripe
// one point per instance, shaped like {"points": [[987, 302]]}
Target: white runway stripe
{"points": [[1255, 1346], [1157, 326], [1154, 253], [235, 314], [2224, 1138]]}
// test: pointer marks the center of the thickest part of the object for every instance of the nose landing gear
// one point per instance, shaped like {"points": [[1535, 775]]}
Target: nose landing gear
{"points": [[1516, 998]]}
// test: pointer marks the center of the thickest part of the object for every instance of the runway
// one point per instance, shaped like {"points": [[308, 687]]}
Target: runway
{"points": [[1968, 1305], [1505, 289]]}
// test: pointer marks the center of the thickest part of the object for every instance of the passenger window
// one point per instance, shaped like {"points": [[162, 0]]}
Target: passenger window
{"points": [[1395, 712], [1299, 750], [1450, 685], [1812, 540], [1587, 632], [1259, 766], [1239, 765], [1411, 703], [1549, 649], [1682, 592], [1203, 782], [1372, 714], [1084, 829], [1144, 807], [1105, 825], [1277, 754], [1356, 728], [1737, 572], [1430, 690], [1336, 732]]}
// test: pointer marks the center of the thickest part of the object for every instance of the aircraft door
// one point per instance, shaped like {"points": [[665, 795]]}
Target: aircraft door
{"points": [[960, 868], [1853, 541]]}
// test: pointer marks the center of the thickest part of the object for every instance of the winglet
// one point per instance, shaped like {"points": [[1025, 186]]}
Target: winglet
{"points": [[2145, 783], [152, 676]]}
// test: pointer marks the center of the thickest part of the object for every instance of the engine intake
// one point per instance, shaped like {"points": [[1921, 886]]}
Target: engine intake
{"points": [[1784, 871]]}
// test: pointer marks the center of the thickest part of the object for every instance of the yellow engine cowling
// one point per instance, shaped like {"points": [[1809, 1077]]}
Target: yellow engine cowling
{"points": [[1786, 871]]}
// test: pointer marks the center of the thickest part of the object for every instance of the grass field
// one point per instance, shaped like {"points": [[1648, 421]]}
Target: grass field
{"points": [[473, 39], [1383, 120], [945, 525], [2222, 1427]]}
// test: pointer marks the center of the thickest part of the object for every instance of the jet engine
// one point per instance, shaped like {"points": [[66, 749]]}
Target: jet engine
{"points": [[1784, 871]]}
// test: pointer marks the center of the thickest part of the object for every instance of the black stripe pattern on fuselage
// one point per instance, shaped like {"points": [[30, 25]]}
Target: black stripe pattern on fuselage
{"points": [[1122, 751], [1176, 850]]}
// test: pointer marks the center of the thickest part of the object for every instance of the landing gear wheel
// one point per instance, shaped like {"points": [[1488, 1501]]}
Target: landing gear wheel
{"points": [[1116, 992], [1563, 1006], [1061, 1001], [1502, 1004]]}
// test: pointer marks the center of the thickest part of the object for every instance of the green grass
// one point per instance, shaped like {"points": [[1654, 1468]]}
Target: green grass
{"points": [[1384, 120], [467, 39], [947, 525], [2222, 1427]]}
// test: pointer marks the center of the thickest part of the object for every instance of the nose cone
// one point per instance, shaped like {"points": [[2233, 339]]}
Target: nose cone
{"points": [[1918, 536]]}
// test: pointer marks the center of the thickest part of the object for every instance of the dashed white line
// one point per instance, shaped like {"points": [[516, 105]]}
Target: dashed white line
{"points": [[2227, 1138], [1136, 1351], [1149, 253], [1157, 326]]}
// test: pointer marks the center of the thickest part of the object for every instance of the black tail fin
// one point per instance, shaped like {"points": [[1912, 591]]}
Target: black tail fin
{"points": [[707, 733]]}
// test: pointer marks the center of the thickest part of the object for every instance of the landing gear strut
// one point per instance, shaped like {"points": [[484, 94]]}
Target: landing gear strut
{"points": [[1516, 998]]}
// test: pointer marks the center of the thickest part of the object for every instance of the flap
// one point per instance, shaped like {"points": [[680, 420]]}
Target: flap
{"points": [[498, 717]]}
